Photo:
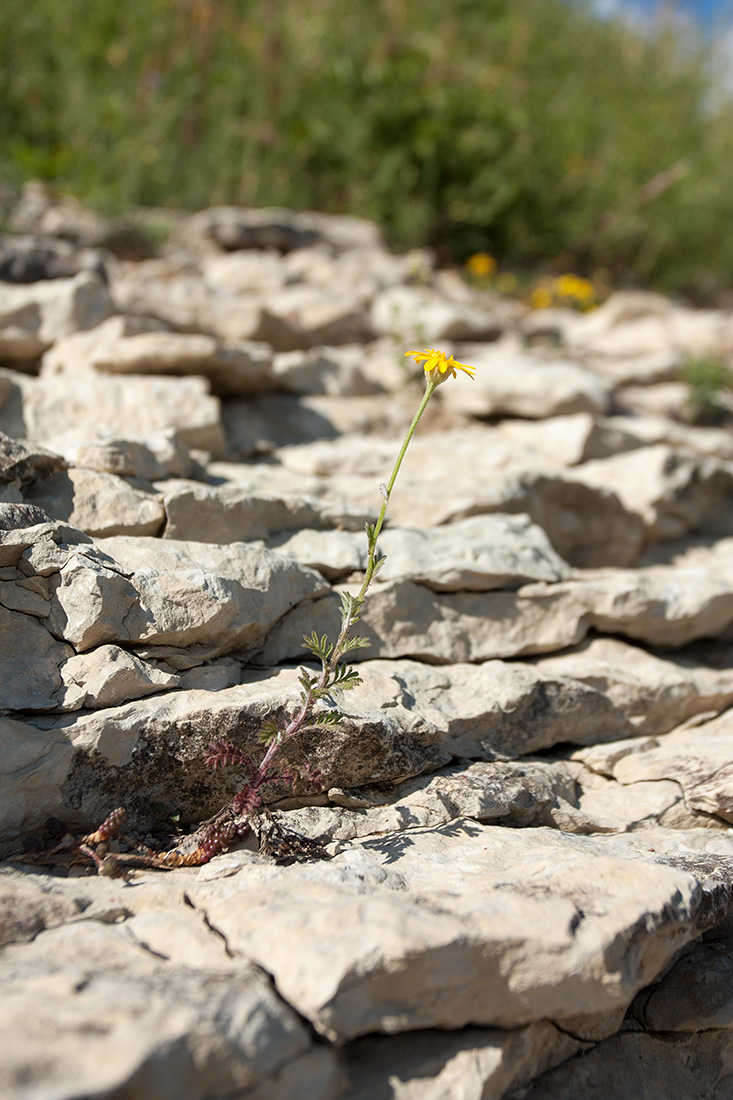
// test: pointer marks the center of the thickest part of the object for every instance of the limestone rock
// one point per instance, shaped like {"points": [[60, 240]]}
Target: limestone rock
{"points": [[655, 692], [457, 473], [99, 503], [71, 410], [507, 922], [23, 465], [636, 1064], [333, 553], [307, 317], [522, 794], [149, 751], [108, 676], [661, 606], [512, 382], [696, 756], [474, 1063], [695, 995], [150, 458], [475, 554], [422, 315], [14, 388], [31, 658], [28, 259], [32, 317], [127, 1017], [227, 513], [499, 709], [124, 345], [230, 228], [337, 371], [252, 507], [175, 593], [33, 768], [672, 491]]}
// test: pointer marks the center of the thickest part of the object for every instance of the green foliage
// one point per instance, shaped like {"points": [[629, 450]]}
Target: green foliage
{"points": [[709, 380], [526, 128]]}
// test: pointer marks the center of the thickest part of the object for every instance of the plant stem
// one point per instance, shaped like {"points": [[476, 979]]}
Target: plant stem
{"points": [[295, 724], [372, 558]]}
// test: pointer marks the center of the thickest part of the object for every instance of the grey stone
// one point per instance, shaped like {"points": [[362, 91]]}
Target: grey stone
{"points": [[662, 606], [235, 227], [418, 315], [30, 661], [28, 259], [655, 1067], [474, 1063], [324, 370], [696, 756], [80, 409], [119, 347], [509, 927], [127, 1018], [32, 317], [33, 768], [134, 590], [695, 995], [153, 457], [109, 676], [100, 504], [674, 492], [475, 555], [20, 463], [151, 750], [655, 692], [512, 382], [230, 513]]}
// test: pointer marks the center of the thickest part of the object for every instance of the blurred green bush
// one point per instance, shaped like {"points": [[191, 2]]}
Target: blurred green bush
{"points": [[525, 128]]}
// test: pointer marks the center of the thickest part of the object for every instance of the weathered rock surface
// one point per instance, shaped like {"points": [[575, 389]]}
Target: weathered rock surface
{"points": [[526, 808], [33, 316]]}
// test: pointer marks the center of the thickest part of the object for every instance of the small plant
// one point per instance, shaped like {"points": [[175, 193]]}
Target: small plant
{"points": [[709, 380], [245, 812]]}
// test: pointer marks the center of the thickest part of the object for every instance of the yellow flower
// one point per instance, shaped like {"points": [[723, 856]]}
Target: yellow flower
{"points": [[481, 264], [437, 365], [541, 298], [573, 286]]}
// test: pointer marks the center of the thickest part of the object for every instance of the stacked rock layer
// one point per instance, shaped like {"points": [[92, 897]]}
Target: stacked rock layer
{"points": [[528, 808]]}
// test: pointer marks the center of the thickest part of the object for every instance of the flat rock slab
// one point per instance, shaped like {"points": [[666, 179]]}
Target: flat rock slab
{"points": [[475, 554], [60, 410], [100, 503], [655, 1067], [404, 719], [655, 691], [697, 757], [474, 1063], [661, 606], [433, 928], [464, 924], [89, 1009]]}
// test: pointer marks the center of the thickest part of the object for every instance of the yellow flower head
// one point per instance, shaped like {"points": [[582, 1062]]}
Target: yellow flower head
{"points": [[541, 298], [481, 264], [437, 365]]}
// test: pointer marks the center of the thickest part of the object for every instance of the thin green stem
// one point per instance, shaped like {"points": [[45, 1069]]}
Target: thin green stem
{"points": [[328, 665], [372, 558]]}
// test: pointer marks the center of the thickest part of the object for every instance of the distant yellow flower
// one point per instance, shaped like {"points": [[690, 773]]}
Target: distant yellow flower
{"points": [[481, 264], [541, 298], [437, 365], [573, 286]]}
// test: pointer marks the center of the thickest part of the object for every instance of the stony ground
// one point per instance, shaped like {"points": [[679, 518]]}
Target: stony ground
{"points": [[528, 810]]}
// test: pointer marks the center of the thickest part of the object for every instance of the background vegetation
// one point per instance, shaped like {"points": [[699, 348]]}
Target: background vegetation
{"points": [[524, 128]]}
